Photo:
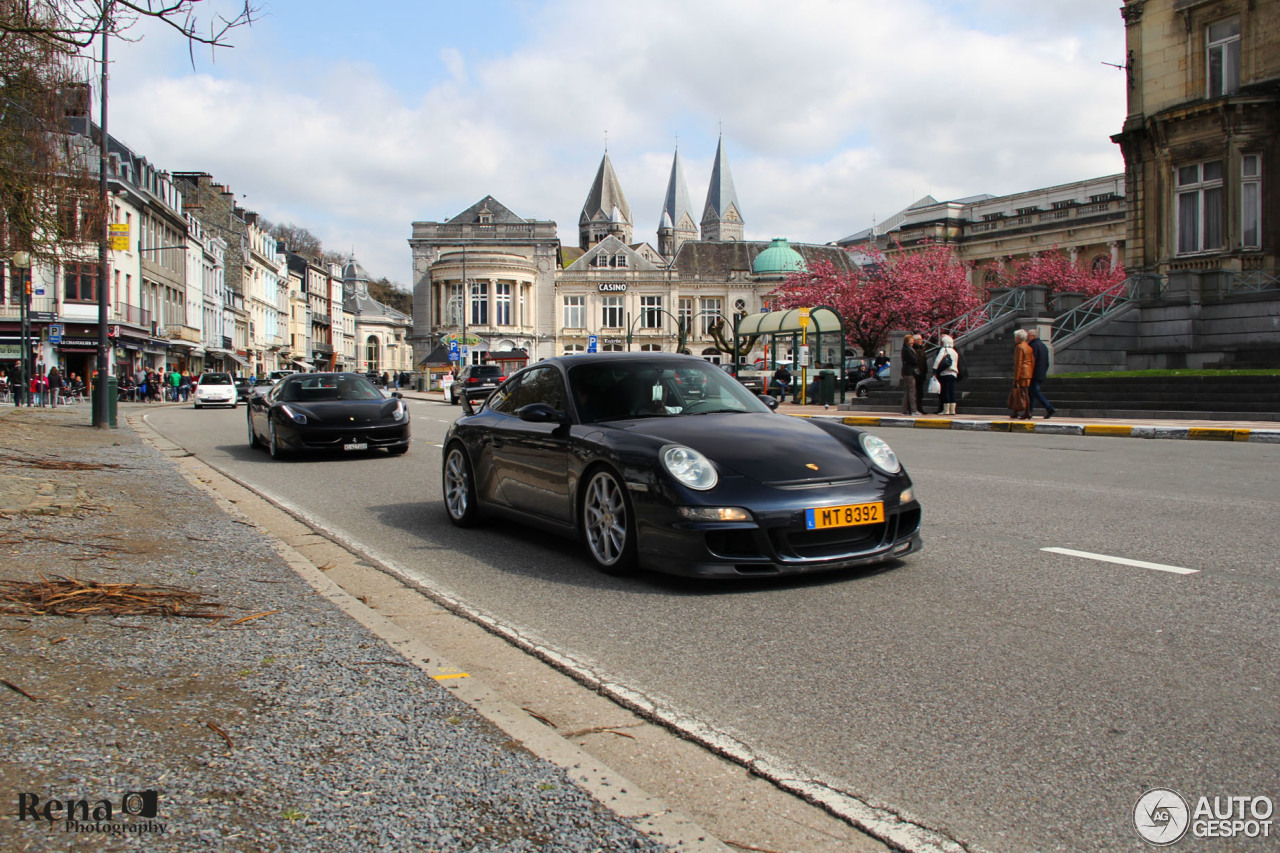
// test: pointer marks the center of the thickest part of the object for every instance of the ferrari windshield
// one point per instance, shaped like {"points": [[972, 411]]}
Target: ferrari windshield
{"points": [[327, 387], [617, 390]]}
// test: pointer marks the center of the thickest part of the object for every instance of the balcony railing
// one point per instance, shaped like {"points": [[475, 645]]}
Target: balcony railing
{"points": [[1253, 281], [133, 315]]}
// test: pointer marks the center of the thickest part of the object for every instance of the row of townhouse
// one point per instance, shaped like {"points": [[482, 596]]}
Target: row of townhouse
{"points": [[194, 283]]}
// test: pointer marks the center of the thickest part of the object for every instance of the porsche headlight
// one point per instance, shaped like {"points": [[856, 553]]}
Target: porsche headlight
{"points": [[689, 467], [399, 412], [879, 452]]}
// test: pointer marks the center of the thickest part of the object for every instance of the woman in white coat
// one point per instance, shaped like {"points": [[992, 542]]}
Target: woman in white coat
{"points": [[946, 366]]}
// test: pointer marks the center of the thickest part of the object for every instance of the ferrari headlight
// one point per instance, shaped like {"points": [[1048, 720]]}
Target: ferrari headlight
{"points": [[879, 452], [399, 411], [298, 417], [689, 467]]}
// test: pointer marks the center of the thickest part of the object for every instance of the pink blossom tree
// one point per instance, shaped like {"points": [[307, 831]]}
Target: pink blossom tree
{"points": [[918, 289], [1060, 274]]}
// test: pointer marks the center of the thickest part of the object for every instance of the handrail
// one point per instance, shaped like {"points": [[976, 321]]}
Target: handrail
{"points": [[977, 320], [1095, 308]]}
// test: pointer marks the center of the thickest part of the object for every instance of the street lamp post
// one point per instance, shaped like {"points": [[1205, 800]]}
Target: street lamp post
{"points": [[22, 262], [682, 333]]}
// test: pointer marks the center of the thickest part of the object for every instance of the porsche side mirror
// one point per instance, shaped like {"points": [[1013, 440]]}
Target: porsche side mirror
{"points": [[467, 407], [397, 395], [539, 413], [770, 401]]}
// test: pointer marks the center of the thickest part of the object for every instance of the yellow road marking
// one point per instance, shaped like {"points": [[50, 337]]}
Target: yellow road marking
{"points": [[1108, 429], [451, 675]]}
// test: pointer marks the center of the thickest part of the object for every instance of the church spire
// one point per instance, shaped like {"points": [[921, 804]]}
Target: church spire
{"points": [[676, 225], [606, 211], [722, 216]]}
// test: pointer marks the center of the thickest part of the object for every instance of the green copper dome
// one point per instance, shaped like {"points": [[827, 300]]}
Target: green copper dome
{"points": [[778, 258]]}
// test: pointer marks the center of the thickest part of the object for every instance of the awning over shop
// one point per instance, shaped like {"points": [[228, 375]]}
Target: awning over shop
{"points": [[304, 362], [234, 357]]}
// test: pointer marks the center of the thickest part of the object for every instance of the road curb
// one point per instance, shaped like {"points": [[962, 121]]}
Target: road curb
{"points": [[614, 791]]}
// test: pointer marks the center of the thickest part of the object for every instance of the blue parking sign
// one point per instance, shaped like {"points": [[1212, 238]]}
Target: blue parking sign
{"points": [[592, 341]]}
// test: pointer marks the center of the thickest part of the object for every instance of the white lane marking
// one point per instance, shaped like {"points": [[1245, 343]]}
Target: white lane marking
{"points": [[1124, 561]]}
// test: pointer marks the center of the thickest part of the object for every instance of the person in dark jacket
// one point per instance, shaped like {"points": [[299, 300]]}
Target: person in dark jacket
{"points": [[922, 371], [782, 379], [1038, 374], [18, 383], [55, 386], [909, 367]]}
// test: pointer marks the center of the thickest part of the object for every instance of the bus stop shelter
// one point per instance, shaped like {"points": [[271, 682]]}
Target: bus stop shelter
{"points": [[801, 327]]}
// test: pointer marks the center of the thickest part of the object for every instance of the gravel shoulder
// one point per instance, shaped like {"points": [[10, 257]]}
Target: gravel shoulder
{"points": [[287, 725]]}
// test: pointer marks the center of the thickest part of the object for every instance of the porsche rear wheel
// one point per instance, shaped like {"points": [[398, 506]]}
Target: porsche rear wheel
{"points": [[608, 524], [459, 488], [253, 436]]}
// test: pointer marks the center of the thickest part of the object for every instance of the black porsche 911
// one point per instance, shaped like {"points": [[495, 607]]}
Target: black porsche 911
{"points": [[340, 412], [666, 462]]}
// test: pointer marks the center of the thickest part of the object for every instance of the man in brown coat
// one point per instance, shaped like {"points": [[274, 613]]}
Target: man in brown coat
{"points": [[1024, 365]]}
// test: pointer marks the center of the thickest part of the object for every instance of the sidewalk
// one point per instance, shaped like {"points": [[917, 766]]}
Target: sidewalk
{"points": [[1161, 428], [282, 723]]}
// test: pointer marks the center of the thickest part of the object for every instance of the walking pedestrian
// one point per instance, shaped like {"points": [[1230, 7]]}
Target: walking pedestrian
{"points": [[37, 387], [1023, 367], [946, 366], [907, 367], [18, 383], [1038, 373], [54, 381]]}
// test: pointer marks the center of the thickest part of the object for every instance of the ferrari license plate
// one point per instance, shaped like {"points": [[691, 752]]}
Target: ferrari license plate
{"points": [[356, 445], [844, 516]]}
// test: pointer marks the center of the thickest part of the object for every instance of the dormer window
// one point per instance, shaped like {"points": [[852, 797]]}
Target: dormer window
{"points": [[620, 261], [486, 219]]}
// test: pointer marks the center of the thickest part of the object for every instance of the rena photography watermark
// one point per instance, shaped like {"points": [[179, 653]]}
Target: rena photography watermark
{"points": [[1162, 817], [132, 816]]}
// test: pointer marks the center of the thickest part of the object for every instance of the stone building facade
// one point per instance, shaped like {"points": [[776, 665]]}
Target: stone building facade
{"points": [[528, 292], [1201, 141], [1083, 219]]}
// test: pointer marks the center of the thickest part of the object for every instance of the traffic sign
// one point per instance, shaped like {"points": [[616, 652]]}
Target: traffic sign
{"points": [[593, 342], [55, 333]]}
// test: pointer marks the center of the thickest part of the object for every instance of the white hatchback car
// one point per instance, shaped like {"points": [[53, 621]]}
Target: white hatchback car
{"points": [[215, 389]]}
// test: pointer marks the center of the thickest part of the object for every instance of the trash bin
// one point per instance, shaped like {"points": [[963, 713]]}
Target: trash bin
{"points": [[420, 382], [113, 394], [826, 388]]}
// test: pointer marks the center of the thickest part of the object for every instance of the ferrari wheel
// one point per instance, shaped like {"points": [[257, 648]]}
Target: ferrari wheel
{"points": [[459, 488], [609, 524], [273, 443]]}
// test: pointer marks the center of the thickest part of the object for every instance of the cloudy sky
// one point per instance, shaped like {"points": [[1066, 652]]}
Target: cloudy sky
{"points": [[354, 120]]}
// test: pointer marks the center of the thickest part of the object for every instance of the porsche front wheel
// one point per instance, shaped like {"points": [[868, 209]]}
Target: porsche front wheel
{"points": [[608, 523]]}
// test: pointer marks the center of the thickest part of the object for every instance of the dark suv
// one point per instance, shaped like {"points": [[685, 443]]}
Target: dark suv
{"points": [[476, 381]]}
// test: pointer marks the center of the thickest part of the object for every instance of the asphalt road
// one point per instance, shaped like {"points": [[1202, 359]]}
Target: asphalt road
{"points": [[1010, 697]]}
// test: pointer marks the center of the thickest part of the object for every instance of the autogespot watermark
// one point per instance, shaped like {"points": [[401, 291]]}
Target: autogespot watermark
{"points": [[1163, 816], [96, 816]]}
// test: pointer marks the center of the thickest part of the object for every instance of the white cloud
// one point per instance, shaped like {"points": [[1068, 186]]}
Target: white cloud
{"points": [[833, 112]]}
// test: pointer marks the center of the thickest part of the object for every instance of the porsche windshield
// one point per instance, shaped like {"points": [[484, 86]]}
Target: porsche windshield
{"points": [[610, 391], [327, 387]]}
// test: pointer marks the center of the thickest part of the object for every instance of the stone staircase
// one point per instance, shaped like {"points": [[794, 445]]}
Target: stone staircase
{"points": [[1226, 397]]}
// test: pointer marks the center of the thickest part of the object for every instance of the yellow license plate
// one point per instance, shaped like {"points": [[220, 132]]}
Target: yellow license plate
{"points": [[844, 516]]}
